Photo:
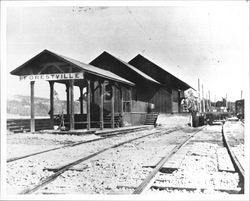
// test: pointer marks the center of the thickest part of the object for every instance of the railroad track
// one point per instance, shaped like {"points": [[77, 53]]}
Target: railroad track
{"points": [[147, 183], [236, 162], [154, 178], [102, 135], [62, 169]]}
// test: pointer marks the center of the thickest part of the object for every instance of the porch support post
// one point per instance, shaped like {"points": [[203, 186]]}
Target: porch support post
{"points": [[121, 94], [130, 99], [71, 105], [32, 107], [172, 99], [179, 101], [67, 97], [81, 99], [113, 107], [203, 101], [88, 104], [101, 104], [51, 112]]}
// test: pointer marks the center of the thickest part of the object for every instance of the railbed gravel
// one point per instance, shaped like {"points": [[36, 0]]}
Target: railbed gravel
{"points": [[121, 166], [26, 172], [198, 170], [119, 170]]}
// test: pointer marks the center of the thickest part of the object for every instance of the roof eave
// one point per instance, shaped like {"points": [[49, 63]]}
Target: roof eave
{"points": [[71, 63]]}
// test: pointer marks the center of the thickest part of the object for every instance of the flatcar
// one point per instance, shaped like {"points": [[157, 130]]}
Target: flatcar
{"points": [[211, 117]]}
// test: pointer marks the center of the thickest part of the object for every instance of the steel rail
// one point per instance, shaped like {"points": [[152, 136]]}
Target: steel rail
{"points": [[64, 168], [104, 136], [149, 179], [236, 163]]}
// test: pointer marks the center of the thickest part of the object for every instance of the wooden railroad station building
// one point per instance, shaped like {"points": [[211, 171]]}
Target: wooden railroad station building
{"points": [[117, 93]]}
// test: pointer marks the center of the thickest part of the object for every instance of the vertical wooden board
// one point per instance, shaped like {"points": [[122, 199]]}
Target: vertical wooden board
{"points": [[71, 106], [51, 84], [32, 106], [88, 104], [117, 100], [67, 97], [96, 92], [121, 101], [101, 105], [162, 101], [113, 107], [169, 103], [81, 100]]}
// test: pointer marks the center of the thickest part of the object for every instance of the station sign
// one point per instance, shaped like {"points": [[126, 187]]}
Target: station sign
{"points": [[56, 76]]}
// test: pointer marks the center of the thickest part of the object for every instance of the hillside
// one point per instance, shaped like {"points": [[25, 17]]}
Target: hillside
{"points": [[19, 105]]}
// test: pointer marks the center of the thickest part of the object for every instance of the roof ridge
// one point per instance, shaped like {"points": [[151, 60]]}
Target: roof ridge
{"points": [[139, 55], [133, 68]]}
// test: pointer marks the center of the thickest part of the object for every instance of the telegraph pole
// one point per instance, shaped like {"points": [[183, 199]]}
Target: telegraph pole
{"points": [[206, 103], [209, 100], [199, 100], [226, 102], [203, 105]]}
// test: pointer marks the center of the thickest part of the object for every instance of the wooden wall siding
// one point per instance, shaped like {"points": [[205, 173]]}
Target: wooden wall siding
{"points": [[175, 107], [162, 101], [159, 96], [175, 100], [182, 94], [139, 106], [40, 124], [134, 118], [175, 95], [125, 94]]}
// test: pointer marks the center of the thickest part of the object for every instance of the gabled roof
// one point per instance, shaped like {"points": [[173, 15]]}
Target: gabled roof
{"points": [[77, 65], [106, 55], [158, 73]]}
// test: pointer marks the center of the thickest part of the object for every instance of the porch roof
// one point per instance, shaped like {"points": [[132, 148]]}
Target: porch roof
{"points": [[48, 62]]}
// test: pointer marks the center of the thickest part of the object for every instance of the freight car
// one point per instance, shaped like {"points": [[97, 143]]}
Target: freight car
{"points": [[239, 109], [211, 117]]}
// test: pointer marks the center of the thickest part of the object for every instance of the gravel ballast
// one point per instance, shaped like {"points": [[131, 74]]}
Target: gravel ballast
{"points": [[120, 170]]}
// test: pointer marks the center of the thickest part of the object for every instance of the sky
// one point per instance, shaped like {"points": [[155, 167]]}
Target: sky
{"points": [[206, 42]]}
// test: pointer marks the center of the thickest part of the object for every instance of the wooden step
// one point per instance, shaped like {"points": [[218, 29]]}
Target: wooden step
{"points": [[150, 119]]}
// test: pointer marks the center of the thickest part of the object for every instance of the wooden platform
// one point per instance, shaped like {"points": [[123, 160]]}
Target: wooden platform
{"points": [[96, 130]]}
